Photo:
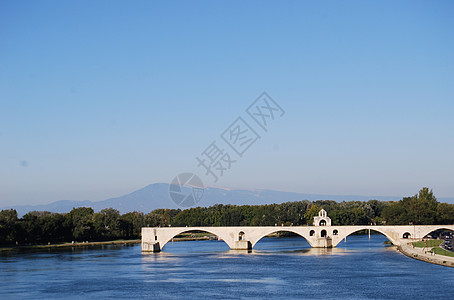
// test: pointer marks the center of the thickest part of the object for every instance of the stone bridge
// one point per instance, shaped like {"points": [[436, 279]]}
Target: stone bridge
{"points": [[321, 235], [245, 237]]}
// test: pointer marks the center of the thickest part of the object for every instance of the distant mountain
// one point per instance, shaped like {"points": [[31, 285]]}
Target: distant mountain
{"points": [[156, 195]]}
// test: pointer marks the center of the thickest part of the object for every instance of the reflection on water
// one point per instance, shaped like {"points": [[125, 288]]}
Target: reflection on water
{"points": [[275, 268], [265, 280], [303, 251]]}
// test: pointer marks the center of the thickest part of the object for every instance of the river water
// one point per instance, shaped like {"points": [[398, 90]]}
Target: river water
{"points": [[276, 268]]}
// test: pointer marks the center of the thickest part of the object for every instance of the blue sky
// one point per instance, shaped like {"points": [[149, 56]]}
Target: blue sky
{"points": [[99, 98]]}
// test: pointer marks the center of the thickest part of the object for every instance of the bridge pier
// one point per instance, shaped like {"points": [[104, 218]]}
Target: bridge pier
{"points": [[242, 245], [151, 247], [322, 242]]}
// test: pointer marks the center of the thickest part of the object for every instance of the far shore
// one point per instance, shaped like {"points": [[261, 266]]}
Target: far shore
{"points": [[71, 245]]}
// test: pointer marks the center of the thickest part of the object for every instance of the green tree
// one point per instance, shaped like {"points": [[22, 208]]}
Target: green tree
{"points": [[445, 213], [52, 227], [421, 209], [8, 226], [30, 228], [395, 214], [81, 221], [424, 207], [311, 213], [106, 223], [131, 224]]}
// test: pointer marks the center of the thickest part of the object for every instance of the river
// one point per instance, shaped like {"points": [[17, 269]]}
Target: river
{"points": [[276, 268]]}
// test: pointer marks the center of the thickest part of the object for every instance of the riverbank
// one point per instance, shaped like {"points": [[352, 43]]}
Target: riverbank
{"points": [[194, 236], [422, 254], [72, 245]]}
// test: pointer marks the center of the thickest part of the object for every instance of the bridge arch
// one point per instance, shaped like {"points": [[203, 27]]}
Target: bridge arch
{"points": [[274, 230], [429, 230], [212, 230], [343, 235]]}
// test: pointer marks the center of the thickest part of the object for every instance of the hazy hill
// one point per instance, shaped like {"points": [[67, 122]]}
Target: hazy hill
{"points": [[156, 195]]}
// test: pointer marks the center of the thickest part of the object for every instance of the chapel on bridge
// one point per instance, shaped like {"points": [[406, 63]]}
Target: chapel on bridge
{"points": [[322, 219]]}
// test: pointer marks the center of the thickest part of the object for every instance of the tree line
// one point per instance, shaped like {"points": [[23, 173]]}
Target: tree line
{"points": [[80, 224], [83, 224], [422, 208]]}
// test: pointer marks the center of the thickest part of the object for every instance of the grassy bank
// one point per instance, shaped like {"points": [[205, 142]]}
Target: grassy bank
{"points": [[444, 252], [428, 243], [435, 245]]}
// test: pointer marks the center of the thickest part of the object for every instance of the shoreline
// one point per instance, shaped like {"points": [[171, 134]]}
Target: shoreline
{"points": [[420, 254], [71, 245]]}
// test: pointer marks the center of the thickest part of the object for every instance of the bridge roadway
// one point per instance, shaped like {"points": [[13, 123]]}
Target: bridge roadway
{"points": [[245, 237]]}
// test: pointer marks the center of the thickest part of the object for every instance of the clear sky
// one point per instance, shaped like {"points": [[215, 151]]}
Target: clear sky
{"points": [[100, 98]]}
